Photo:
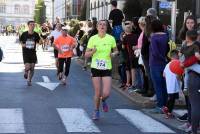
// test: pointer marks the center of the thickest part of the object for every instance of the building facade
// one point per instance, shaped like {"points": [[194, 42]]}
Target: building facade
{"points": [[16, 12], [67, 9], [48, 4], [101, 8]]}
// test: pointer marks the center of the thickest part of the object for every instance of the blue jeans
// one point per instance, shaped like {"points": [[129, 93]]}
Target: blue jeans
{"points": [[122, 73], [139, 79], [116, 32], [159, 85]]}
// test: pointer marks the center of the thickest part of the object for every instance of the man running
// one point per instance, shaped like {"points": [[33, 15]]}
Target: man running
{"points": [[65, 45], [28, 40]]}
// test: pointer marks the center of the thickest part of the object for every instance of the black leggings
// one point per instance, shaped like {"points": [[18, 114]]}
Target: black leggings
{"points": [[67, 62], [194, 97], [171, 101]]}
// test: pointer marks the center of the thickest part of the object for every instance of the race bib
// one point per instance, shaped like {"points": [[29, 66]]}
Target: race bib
{"points": [[30, 44], [101, 64], [65, 48]]}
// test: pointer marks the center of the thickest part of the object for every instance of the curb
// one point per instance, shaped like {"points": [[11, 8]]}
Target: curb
{"points": [[136, 98]]}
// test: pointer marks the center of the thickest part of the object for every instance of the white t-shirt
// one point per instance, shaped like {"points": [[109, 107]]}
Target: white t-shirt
{"points": [[55, 34], [173, 84]]}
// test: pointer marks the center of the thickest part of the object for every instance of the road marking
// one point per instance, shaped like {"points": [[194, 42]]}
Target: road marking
{"points": [[47, 83], [11, 121], [143, 122], [46, 79], [77, 120]]}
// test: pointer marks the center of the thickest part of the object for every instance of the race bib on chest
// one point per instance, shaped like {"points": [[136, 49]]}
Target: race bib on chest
{"points": [[30, 44], [101, 64], [65, 48]]}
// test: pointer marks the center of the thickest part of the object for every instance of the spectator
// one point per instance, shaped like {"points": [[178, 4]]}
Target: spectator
{"points": [[158, 52], [129, 43], [189, 24], [116, 16], [173, 86]]}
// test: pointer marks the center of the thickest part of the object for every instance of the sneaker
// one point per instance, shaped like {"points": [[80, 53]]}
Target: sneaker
{"points": [[105, 106], [29, 83], [60, 76], [154, 98], [169, 116], [165, 110], [84, 68], [25, 75], [184, 126], [189, 129], [122, 86], [96, 115], [183, 118], [63, 81], [156, 110]]}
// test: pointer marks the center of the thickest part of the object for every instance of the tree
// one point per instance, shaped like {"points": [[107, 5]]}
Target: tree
{"points": [[40, 12], [132, 8]]}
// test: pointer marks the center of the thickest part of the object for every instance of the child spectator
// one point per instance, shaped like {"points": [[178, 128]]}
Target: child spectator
{"points": [[129, 43], [173, 86]]}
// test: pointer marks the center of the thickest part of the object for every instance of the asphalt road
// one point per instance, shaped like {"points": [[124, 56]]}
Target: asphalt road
{"points": [[48, 107]]}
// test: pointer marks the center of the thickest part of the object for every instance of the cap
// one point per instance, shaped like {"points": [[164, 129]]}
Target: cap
{"points": [[152, 12]]}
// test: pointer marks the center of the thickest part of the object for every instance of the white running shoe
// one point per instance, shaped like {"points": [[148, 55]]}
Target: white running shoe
{"points": [[154, 98]]}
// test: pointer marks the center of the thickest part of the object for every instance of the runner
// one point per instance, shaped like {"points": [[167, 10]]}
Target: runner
{"points": [[44, 34], [28, 40], [99, 48], [53, 36], [65, 45]]}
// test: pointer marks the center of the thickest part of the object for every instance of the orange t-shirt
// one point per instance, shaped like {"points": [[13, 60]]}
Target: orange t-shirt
{"points": [[65, 44]]}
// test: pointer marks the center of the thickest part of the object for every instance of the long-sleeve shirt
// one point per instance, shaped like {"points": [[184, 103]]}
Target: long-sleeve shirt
{"points": [[158, 49]]}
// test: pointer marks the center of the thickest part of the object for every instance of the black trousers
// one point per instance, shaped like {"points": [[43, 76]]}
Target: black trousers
{"points": [[194, 97], [64, 62]]}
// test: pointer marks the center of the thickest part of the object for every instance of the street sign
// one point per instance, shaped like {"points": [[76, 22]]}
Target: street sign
{"points": [[165, 5]]}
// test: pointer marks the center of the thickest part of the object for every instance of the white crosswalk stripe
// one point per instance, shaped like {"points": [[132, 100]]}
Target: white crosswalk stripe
{"points": [[11, 121], [143, 122], [76, 120]]}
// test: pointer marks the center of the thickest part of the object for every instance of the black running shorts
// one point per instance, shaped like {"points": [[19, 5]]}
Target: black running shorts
{"points": [[100, 73], [30, 58]]}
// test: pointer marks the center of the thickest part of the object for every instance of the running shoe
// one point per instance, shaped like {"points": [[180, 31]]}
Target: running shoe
{"points": [[169, 116], [184, 126], [165, 110], [105, 106], [96, 115], [156, 110], [25, 75], [183, 118], [63, 81], [60, 76], [29, 83]]}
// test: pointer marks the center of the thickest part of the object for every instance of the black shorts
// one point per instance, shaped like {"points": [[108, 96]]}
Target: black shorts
{"points": [[29, 58], [131, 63], [55, 53], [100, 73]]}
